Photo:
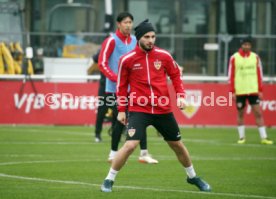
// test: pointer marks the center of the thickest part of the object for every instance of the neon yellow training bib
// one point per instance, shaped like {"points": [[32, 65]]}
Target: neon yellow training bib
{"points": [[246, 77]]}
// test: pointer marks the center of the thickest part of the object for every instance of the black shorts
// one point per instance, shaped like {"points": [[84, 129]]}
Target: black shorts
{"points": [[241, 100], [165, 124]]}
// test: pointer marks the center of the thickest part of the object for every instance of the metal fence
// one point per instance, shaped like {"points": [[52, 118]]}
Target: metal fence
{"points": [[205, 55], [209, 54]]}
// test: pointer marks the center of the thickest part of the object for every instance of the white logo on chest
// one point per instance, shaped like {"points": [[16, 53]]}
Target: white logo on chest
{"points": [[137, 66]]}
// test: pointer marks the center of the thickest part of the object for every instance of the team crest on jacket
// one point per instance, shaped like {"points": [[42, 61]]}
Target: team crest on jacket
{"points": [[157, 64], [131, 132]]}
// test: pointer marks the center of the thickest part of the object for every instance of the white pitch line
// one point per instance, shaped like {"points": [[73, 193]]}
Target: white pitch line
{"points": [[212, 142], [47, 131], [47, 161], [49, 142], [20, 155], [198, 158], [215, 143], [134, 187], [163, 158], [153, 143]]}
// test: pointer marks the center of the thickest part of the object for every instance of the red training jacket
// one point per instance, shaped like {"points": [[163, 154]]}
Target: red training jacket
{"points": [[145, 75]]}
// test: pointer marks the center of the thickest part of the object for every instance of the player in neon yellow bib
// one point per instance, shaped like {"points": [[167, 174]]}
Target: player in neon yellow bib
{"points": [[245, 77]]}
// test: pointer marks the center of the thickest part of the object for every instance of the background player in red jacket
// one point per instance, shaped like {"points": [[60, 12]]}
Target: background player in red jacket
{"points": [[144, 70]]}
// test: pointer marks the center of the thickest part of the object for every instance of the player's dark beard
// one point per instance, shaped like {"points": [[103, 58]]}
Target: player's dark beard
{"points": [[144, 47]]}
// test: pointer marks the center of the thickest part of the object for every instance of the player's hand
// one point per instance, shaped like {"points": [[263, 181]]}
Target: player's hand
{"points": [[260, 94], [234, 97], [114, 78], [181, 103], [122, 117]]}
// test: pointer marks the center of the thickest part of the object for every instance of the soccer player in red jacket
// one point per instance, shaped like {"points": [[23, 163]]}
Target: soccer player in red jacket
{"points": [[142, 90], [116, 45]]}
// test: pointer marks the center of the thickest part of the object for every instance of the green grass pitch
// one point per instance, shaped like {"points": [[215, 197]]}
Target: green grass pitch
{"points": [[56, 162]]}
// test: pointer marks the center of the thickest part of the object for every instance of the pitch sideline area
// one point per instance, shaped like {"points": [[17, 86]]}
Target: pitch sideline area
{"points": [[65, 162]]}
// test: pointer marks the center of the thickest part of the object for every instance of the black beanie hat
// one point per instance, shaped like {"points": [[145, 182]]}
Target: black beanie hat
{"points": [[143, 28], [246, 40]]}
